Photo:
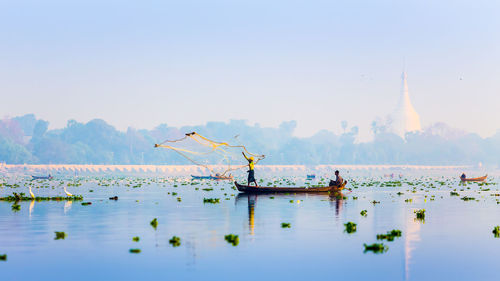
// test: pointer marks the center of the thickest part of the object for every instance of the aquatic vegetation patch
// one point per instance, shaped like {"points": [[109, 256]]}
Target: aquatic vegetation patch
{"points": [[154, 223], [136, 239], [175, 241], [16, 207], [350, 227], [496, 231], [211, 200], [86, 203], [134, 251], [286, 225], [453, 193], [420, 214], [364, 213], [465, 198], [3, 257], [232, 239], [377, 248], [15, 197], [390, 235], [113, 198], [60, 235]]}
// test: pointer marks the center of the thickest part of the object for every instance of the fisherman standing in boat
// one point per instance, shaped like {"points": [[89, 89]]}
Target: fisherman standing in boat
{"points": [[251, 173], [338, 180]]}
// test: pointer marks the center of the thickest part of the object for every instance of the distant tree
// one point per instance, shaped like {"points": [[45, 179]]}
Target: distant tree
{"points": [[344, 124]]}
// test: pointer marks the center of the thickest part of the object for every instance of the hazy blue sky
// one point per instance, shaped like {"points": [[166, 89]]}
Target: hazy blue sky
{"points": [[186, 62]]}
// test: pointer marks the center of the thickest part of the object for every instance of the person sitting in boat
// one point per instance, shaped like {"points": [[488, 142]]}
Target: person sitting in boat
{"points": [[338, 179], [463, 176], [251, 173]]}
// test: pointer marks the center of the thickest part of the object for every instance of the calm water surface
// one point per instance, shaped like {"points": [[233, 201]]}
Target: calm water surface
{"points": [[454, 242]]}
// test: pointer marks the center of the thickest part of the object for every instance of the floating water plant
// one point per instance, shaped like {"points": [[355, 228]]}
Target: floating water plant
{"points": [[113, 198], [154, 223], [232, 239], [350, 227], [286, 225], [22, 197], [86, 203], [60, 235], [134, 251], [390, 235], [175, 241], [363, 213], [465, 198], [375, 202], [496, 231], [3, 257], [16, 207], [453, 193], [136, 239], [211, 200], [376, 248], [420, 214]]}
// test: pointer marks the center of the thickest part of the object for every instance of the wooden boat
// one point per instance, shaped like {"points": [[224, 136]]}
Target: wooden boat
{"points": [[263, 189], [475, 179], [49, 177], [212, 177], [311, 177]]}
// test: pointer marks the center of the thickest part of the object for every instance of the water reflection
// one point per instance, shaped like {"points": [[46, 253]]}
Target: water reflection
{"points": [[336, 201], [67, 206], [32, 206], [412, 235], [251, 202]]}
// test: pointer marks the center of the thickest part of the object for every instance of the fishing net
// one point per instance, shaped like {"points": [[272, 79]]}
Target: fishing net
{"points": [[219, 158]]}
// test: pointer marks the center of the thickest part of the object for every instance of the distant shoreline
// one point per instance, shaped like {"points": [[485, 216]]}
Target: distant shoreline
{"points": [[193, 169]]}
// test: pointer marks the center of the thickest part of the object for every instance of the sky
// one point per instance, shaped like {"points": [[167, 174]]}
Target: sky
{"points": [[143, 63]]}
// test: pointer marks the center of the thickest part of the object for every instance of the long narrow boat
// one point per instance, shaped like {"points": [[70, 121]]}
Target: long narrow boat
{"points": [[49, 177], [264, 189], [475, 179], [212, 177]]}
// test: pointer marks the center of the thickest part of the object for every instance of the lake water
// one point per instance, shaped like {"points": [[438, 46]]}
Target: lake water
{"points": [[454, 242]]}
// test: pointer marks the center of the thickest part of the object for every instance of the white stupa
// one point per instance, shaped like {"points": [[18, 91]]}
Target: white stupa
{"points": [[405, 119]]}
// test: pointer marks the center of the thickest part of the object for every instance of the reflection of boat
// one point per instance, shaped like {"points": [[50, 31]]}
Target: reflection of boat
{"points": [[474, 179], [216, 177], [250, 199], [261, 189], [49, 177]]}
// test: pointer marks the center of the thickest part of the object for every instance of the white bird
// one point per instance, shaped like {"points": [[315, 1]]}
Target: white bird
{"points": [[31, 193], [67, 193]]}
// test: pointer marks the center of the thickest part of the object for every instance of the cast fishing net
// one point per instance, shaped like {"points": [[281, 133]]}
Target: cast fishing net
{"points": [[218, 157]]}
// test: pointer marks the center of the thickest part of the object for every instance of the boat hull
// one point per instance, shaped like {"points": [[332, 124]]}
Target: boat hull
{"points": [[475, 179], [253, 189], [211, 178], [42, 178]]}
